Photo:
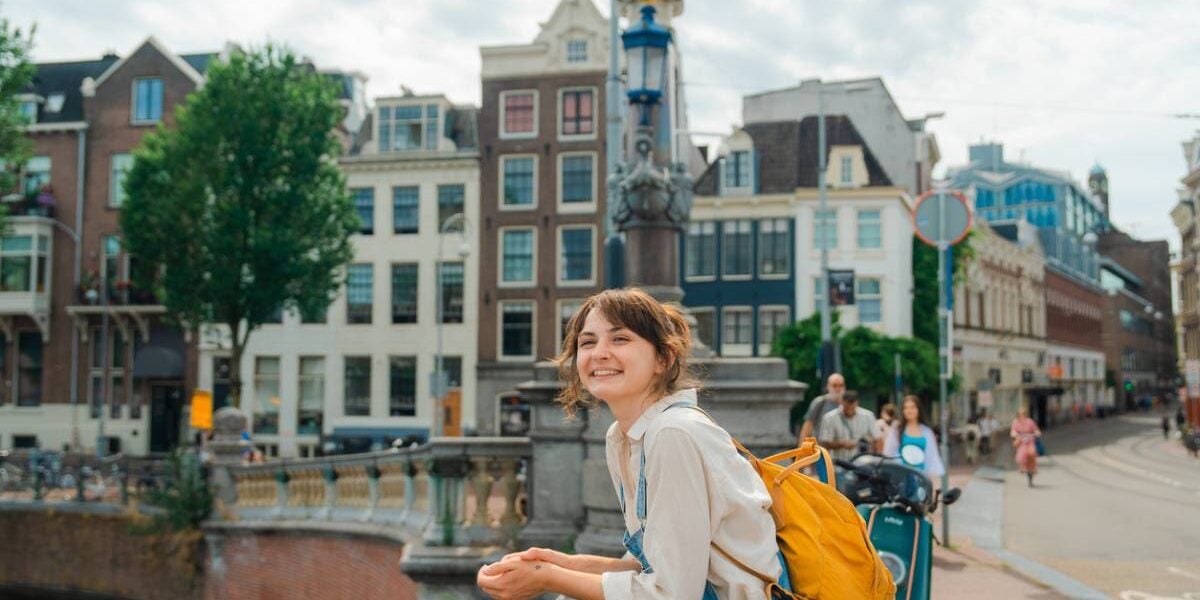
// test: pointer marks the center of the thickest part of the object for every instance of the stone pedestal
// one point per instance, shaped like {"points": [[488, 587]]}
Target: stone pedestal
{"points": [[226, 448], [652, 260], [554, 480]]}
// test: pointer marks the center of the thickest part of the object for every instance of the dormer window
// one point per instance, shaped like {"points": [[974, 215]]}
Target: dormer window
{"points": [[147, 100], [577, 51], [54, 102], [29, 111], [411, 127], [737, 169], [847, 171], [847, 167]]}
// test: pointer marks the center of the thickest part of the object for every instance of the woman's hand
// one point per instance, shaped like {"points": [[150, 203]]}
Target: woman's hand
{"points": [[513, 578]]}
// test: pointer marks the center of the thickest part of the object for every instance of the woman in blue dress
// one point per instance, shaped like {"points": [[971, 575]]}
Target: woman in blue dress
{"points": [[912, 441]]}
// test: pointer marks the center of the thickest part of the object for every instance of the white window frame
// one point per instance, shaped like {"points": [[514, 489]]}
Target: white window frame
{"points": [[700, 223], [571, 58], [711, 311], [574, 207], [505, 135], [764, 348], [816, 228], [788, 246], [425, 119], [858, 297], [113, 191], [731, 349], [738, 190], [858, 223], [558, 114], [500, 282], [504, 158], [500, 355], [725, 255], [558, 320], [561, 258], [845, 170], [133, 120]]}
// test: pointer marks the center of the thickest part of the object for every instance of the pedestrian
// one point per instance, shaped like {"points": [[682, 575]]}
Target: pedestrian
{"points": [[688, 498], [848, 431], [1166, 426], [1024, 433], [971, 436], [887, 416], [1180, 418], [988, 426], [822, 405], [913, 441]]}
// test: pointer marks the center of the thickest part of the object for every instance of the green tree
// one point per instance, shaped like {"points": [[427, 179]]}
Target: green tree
{"points": [[925, 287], [240, 210], [867, 359], [16, 72]]}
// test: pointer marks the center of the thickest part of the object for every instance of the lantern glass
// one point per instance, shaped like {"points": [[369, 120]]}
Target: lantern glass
{"points": [[646, 45]]}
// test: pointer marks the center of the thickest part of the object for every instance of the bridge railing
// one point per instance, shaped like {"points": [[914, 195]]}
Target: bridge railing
{"points": [[450, 492], [46, 476]]}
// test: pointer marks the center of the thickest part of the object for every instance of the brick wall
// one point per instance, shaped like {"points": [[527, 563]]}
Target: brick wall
{"points": [[298, 565], [1074, 313]]}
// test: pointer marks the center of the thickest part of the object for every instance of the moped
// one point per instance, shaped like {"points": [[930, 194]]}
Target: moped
{"points": [[896, 501]]}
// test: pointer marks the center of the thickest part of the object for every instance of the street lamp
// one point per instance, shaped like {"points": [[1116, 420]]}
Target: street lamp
{"points": [[646, 56], [439, 382]]}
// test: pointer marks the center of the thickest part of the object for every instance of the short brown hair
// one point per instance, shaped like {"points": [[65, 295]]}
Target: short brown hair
{"points": [[663, 325]]}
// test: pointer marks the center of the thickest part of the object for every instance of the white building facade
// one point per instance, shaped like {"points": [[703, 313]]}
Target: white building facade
{"points": [[361, 377]]}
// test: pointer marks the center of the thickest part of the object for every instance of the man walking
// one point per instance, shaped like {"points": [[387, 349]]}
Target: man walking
{"points": [[821, 405], [842, 430]]}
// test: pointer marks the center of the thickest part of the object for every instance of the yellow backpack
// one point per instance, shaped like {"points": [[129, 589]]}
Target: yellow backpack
{"points": [[822, 537]]}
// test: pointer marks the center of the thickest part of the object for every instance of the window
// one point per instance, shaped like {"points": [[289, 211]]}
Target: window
{"points": [[110, 271], [410, 127], [774, 248], [29, 368], [846, 171], [576, 50], [517, 181], [359, 290], [313, 316], [737, 169], [147, 100], [701, 249], [404, 293], [516, 256], [29, 111], [17, 261], [869, 235], [868, 298], [450, 203], [736, 331], [221, 382], [705, 325], [452, 365], [406, 209], [518, 114], [402, 393], [577, 113], [266, 395], [771, 319], [737, 248], [358, 386], [112, 354], [37, 174], [450, 277], [516, 329], [311, 409], [566, 310], [575, 255], [121, 163], [364, 205], [825, 234], [577, 179]]}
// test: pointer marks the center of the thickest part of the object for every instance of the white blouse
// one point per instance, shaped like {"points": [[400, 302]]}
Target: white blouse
{"points": [[699, 489]]}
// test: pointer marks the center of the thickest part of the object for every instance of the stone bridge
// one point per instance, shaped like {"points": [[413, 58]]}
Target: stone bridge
{"points": [[409, 523]]}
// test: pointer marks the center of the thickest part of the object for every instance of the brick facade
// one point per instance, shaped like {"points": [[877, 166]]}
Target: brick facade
{"points": [[1074, 312]]}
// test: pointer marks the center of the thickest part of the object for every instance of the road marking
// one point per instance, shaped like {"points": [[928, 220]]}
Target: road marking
{"points": [[1136, 595], [1178, 571], [1116, 464]]}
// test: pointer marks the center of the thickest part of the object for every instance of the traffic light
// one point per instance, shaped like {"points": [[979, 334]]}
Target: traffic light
{"points": [[1128, 385]]}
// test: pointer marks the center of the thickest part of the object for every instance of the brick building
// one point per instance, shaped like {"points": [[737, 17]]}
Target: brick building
{"points": [[65, 275]]}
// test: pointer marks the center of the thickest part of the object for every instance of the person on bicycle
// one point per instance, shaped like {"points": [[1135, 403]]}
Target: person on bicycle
{"points": [[1024, 433]]}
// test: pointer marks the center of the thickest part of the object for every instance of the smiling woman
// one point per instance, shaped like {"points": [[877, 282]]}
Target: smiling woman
{"points": [[696, 514]]}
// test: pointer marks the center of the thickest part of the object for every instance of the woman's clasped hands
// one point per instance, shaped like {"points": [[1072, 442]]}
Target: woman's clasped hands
{"points": [[521, 575]]}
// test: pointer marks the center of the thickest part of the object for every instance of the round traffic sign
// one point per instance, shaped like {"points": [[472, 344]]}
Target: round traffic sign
{"points": [[942, 217]]}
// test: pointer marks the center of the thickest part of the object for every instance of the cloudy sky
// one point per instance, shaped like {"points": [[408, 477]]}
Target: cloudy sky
{"points": [[1063, 84]]}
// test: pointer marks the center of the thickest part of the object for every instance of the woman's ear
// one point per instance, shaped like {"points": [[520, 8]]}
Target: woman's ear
{"points": [[664, 362]]}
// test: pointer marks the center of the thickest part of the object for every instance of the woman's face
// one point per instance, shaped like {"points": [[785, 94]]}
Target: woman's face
{"points": [[911, 412], [1022, 413], [613, 362]]}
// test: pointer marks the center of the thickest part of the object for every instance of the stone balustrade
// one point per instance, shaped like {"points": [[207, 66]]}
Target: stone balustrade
{"points": [[450, 492]]}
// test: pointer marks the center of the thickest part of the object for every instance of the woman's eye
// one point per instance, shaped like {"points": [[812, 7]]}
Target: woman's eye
{"points": [[586, 343]]}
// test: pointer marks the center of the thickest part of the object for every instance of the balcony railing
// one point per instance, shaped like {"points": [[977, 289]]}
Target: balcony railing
{"points": [[450, 492]]}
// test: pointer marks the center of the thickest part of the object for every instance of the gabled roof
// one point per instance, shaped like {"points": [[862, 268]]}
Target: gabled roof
{"points": [[787, 155], [65, 78], [184, 66]]}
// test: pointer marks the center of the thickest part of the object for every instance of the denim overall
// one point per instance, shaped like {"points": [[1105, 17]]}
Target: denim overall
{"points": [[633, 541]]}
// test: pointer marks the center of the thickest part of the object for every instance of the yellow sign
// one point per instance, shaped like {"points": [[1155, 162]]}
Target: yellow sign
{"points": [[202, 409]]}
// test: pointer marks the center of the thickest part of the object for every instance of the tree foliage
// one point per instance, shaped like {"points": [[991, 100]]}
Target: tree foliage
{"points": [[867, 360], [925, 288], [16, 72], [240, 210], [184, 496]]}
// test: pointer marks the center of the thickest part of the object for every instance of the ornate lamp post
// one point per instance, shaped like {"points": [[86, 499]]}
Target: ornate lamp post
{"points": [[653, 201]]}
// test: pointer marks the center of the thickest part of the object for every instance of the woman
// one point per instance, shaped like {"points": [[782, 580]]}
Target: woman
{"points": [[913, 441], [1024, 433], [683, 489], [887, 414]]}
